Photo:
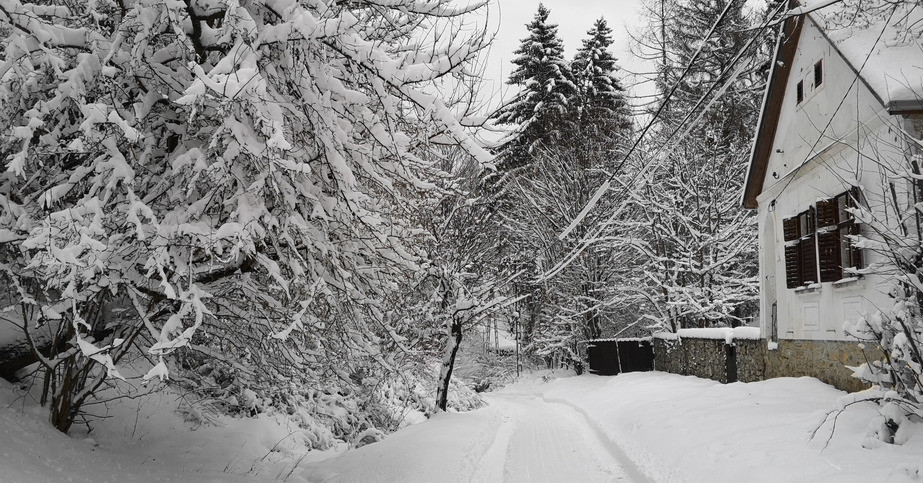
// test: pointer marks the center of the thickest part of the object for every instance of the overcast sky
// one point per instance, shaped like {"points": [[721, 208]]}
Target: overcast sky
{"points": [[573, 17]]}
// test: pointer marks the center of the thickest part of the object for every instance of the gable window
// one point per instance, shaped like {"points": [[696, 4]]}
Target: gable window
{"points": [[818, 73], [811, 81], [820, 242]]}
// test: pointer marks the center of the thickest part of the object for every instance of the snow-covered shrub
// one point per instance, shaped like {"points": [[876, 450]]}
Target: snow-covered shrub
{"points": [[895, 333], [897, 377], [239, 175], [352, 410]]}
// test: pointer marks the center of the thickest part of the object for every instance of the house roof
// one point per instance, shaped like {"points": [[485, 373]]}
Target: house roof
{"points": [[881, 46]]}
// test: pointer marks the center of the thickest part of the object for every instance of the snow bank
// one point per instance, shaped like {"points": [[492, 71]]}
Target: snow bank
{"points": [[157, 445], [682, 428], [437, 450]]}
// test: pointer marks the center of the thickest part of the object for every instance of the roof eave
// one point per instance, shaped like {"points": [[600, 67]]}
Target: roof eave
{"points": [[786, 46], [905, 107]]}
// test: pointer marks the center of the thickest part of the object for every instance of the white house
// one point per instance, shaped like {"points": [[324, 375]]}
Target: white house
{"points": [[830, 135]]}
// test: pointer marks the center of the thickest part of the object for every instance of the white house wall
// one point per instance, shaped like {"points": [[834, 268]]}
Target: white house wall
{"points": [[839, 136]]}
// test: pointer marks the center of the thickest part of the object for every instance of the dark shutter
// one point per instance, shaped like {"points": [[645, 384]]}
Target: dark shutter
{"points": [[855, 254], [790, 229], [855, 196], [792, 266], [827, 213], [808, 260], [828, 245]]}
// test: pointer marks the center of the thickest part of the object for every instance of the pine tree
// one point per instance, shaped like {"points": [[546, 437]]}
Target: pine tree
{"points": [[604, 112], [543, 108]]}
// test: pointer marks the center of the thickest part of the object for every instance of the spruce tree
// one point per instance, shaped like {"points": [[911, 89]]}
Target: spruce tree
{"points": [[604, 113], [543, 109]]}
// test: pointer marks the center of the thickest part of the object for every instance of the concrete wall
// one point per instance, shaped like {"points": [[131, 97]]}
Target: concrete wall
{"points": [[706, 358]]}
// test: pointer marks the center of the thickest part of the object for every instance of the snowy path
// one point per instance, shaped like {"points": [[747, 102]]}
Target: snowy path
{"points": [[538, 441], [517, 438]]}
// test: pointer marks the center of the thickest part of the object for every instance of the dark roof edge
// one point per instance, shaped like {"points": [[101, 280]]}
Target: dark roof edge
{"points": [[786, 46], [914, 106]]}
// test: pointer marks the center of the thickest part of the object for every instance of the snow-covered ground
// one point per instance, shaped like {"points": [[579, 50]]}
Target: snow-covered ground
{"points": [[682, 428], [632, 427], [516, 438]]}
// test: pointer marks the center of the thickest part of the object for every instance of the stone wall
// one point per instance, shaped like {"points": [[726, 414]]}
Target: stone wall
{"points": [[669, 356], [751, 360], [825, 360], [707, 358]]}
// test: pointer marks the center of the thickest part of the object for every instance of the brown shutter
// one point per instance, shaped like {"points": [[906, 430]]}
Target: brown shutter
{"points": [[826, 213], [828, 245], [808, 260], [792, 266], [812, 221], [855, 253], [855, 196], [790, 229]]}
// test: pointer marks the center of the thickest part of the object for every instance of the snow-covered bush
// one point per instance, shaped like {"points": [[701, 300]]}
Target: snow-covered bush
{"points": [[896, 333], [353, 410], [238, 176]]}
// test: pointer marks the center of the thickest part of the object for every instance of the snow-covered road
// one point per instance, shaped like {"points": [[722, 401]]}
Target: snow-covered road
{"points": [[538, 441], [517, 438]]}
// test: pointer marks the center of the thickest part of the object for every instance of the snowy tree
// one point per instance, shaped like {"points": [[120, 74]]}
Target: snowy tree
{"points": [[462, 287], [699, 245], [604, 111], [237, 175], [733, 113], [892, 228], [542, 111], [571, 305]]}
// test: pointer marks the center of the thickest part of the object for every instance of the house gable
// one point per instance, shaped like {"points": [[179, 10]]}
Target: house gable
{"points": [[798, 122]]}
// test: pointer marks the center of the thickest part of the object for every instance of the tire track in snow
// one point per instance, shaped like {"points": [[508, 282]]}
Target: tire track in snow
{"points": [[603, 443], [537, 441]]}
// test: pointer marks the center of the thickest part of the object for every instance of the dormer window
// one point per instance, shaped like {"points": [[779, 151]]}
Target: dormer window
{"points": [[818, 73]]}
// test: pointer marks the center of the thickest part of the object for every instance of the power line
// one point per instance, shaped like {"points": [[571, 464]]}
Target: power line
{"points": [[592, 203]]}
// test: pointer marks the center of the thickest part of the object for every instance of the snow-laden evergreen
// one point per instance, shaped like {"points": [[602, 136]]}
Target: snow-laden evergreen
{"points": [[541, 113], [604, 110]]}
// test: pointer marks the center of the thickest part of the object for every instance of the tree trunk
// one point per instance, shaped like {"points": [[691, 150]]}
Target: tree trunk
{"points": [[448, 363]]}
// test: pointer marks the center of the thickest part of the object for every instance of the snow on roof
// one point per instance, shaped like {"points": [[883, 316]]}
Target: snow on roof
{"points": [[726, 333], [880, 42]]}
